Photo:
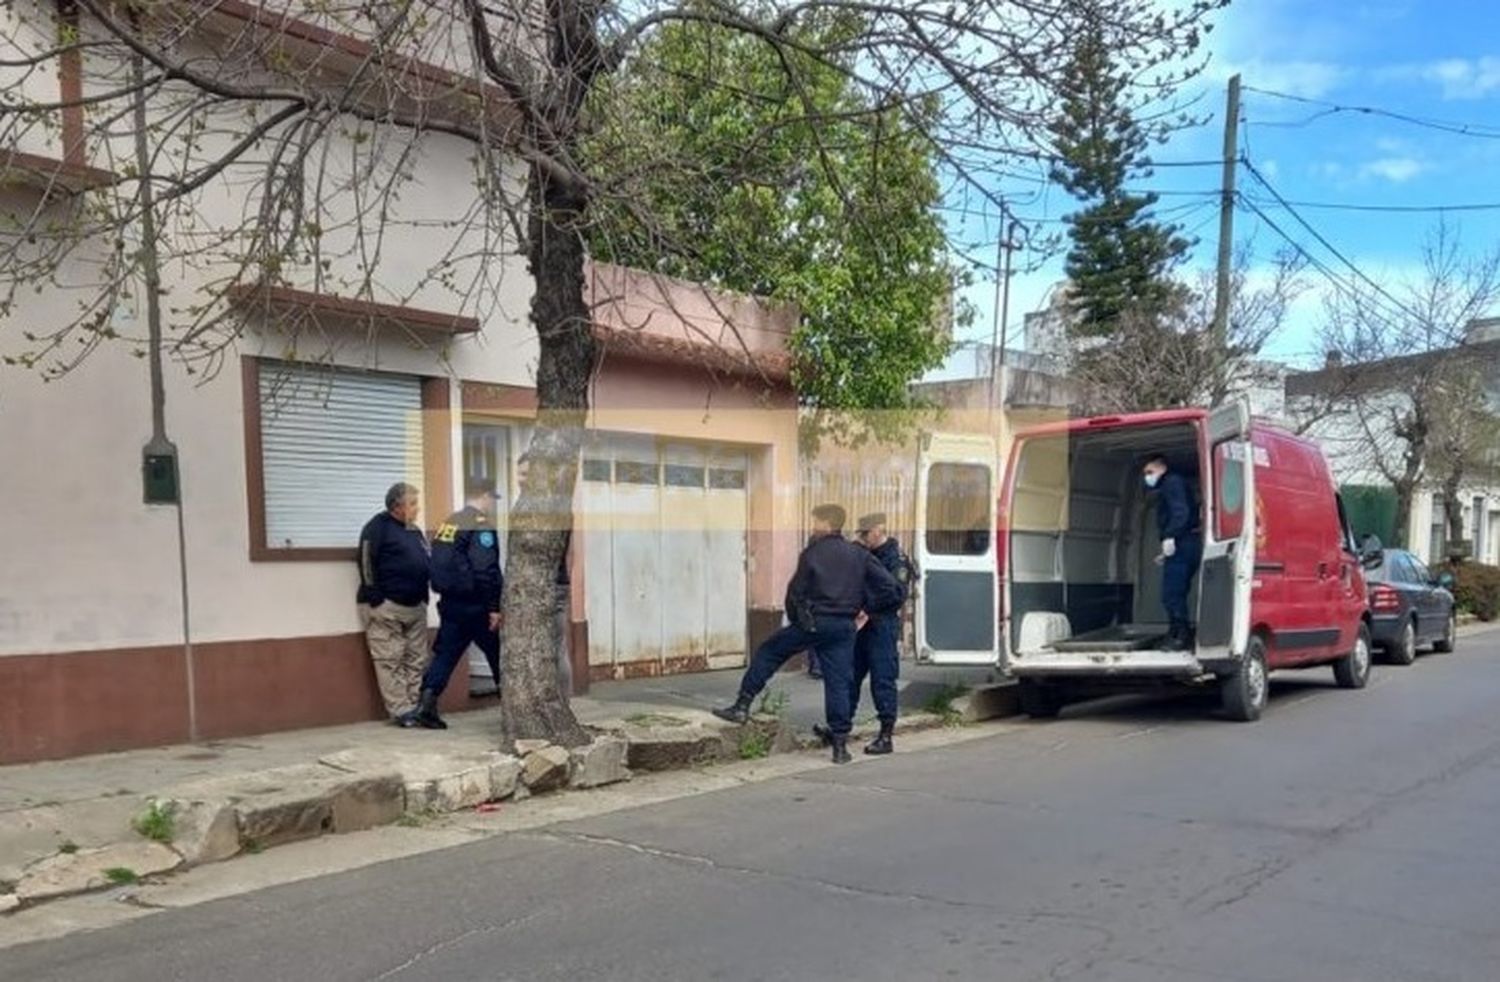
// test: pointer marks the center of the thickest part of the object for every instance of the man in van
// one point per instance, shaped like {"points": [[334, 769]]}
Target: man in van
{"points": [[835, 582], [1181, 547]]}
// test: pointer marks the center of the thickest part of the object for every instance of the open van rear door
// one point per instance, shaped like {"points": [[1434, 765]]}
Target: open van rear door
{"points": [[1229, 536], [957, 603]]}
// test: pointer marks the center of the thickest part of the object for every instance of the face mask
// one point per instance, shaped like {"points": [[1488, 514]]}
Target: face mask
{"points": [[1152, 479]]}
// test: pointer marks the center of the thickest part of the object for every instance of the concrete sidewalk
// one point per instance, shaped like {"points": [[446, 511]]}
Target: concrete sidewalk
{"points": [[74, 826]]}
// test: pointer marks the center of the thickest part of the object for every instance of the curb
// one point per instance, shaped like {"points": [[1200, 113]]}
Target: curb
{"points": [[213, 820]]}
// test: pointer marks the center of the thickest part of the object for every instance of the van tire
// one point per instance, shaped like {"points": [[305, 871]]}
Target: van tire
{"points": [[1040, 700], [1404, 650], [1246, 691], [1353, 670]]}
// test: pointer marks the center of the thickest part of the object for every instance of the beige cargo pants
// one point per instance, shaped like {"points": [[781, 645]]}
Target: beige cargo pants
{"points": [[397, 635]]}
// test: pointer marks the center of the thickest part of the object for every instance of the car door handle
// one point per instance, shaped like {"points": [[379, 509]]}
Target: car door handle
{"points": [[1322, 571]]}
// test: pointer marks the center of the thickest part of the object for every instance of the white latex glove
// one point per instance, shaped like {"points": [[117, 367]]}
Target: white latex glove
{"points": [[1169, 547]]}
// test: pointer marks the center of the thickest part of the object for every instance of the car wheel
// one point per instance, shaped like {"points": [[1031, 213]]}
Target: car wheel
{"points": [[1246, 691], [1040, 700], [1404, 650], [1450, 635], [1353, 670]]}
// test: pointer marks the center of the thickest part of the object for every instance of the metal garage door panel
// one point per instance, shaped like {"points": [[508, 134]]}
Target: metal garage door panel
{"points": [[597, 538], [637, 566], [684, 571], [727, 516]]}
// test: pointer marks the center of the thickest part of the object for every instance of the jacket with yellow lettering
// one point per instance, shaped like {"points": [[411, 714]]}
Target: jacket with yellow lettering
{"points": [[466, 561]]}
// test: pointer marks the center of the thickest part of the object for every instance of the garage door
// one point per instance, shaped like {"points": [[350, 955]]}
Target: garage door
{"points": [[663, 530]]}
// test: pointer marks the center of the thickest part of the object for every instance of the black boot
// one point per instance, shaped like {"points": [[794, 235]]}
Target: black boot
{"points": [[841, 750], [883, 743], [427, 712], [824, 734], [738, 713]]}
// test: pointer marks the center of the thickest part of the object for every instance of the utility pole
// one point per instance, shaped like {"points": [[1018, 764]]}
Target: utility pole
{"points": [[998, 333], [1226, 237]]}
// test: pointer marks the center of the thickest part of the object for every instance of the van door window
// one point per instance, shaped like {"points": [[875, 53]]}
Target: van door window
{"points": [[1229, 490], [958, 510]]}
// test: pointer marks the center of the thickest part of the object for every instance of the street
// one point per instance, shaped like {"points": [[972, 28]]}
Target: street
{"points": [[1347, 836]]}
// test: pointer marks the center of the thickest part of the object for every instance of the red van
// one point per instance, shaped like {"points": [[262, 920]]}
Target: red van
{"points": [[1066, 594]]}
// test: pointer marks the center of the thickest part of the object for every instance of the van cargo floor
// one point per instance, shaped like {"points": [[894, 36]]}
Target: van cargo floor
{"points": [[1116, 637]]}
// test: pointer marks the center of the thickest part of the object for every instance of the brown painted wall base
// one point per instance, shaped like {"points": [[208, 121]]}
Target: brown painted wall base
{"points": [[66, 705]]}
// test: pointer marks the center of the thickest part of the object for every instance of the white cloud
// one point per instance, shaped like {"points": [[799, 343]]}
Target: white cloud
{"points": [[1465, 78], [1394, 169]]}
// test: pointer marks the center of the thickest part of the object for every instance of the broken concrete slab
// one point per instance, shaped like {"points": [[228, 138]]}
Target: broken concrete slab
{"points": [[505, 777], [602, 762], [286, 815], [546, 769], [665, 748], [368, 802], [94, 869], [204, 830], [30, 834], [466, 785], [524, 747], [9, 902]]}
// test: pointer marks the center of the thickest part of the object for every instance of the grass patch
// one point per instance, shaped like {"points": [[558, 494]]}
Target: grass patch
{"points": [[940, 704], [68, 848], [253, 847], [654, 719], [754, 744], [122, 875], [774, 702], [158, 822]]}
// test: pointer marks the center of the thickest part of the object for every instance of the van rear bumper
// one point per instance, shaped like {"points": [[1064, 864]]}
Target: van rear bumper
{"points": [[1147, 664]]}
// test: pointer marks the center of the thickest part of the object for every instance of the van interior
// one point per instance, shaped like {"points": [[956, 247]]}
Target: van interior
{"points": [[1083, 540]]}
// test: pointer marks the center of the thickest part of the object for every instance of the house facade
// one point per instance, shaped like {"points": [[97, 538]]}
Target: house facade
{"points": [[227, 608]]}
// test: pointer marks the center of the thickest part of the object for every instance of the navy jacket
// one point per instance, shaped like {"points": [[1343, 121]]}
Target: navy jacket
{"points": [[393, 563], [466, 561], [836, 578], [894, 561], [1176, 512]]}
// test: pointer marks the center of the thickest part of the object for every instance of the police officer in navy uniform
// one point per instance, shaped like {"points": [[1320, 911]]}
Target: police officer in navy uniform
{"points": [[875, 651], [466, 575], [1180, 530], [835, 581]]}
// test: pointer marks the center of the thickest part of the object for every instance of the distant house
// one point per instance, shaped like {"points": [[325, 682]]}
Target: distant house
{"points": [[1348, 408]]}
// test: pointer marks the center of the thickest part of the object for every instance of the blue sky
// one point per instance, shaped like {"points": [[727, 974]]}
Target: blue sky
{"points": [[1438, 60]]}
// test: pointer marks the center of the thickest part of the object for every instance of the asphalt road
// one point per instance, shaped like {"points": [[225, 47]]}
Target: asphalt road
{"points": [[1347, 836]]}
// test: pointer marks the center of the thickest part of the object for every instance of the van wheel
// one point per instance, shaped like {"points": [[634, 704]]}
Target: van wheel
{"points": [[1353, 670], [1404, 651], [1446, 643], [1040, 700], [1246, 691]]}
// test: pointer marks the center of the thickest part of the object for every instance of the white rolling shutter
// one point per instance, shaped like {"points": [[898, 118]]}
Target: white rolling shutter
{"points": [[332, 442]]}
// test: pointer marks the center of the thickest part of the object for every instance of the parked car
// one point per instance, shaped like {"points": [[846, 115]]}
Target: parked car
{"points": [[1410, 607], [1068, 597]]}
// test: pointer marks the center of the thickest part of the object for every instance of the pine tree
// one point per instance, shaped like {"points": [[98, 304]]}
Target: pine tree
{"points": [[1121, 257]]}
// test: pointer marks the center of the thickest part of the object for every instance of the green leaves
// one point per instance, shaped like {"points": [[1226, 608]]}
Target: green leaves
{"points": [[770, 173]]}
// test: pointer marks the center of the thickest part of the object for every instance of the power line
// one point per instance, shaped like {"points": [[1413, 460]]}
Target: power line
{"points": [[1404, 209], [1483, 131], [1323, 240]]}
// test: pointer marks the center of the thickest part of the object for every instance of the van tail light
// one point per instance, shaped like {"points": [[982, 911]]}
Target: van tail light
{"points": [[1385, 600]]}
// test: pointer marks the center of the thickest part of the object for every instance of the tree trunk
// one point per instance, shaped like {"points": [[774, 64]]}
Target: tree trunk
{"points": [[532, 701], [1453, 511], [1405, 491]]}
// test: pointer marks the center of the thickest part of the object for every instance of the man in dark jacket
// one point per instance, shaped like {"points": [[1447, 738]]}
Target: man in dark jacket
{"points": [[392, 597], [1178, 524], [875, 647], [466, 575], [835, 581]]}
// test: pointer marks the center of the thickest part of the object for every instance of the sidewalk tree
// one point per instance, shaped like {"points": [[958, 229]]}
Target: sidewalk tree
{"points": [[1121, 259], [312, 141]]}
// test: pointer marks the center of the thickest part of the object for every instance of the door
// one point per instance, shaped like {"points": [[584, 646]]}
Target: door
{"points": [[1432, 612], [487, 458], [1228, 573], [957, 607]]}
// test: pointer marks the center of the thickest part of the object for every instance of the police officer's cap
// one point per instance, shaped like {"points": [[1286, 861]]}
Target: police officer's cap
{"points": [[872, 520]]}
